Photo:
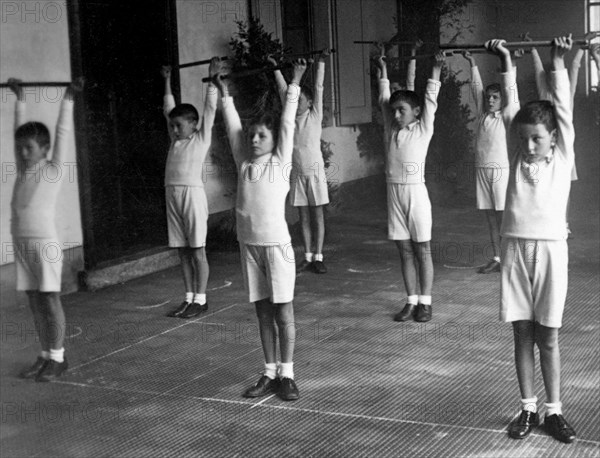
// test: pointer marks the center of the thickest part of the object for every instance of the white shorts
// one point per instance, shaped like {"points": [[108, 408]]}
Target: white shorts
{"points": [[269, 272], [308, 190], [491, 184], [409, 212], [187, 216], [39, 264], [534, 280]]}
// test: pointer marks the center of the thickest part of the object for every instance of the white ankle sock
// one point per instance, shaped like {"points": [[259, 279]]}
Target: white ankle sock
{"points": [[529, 404], [497, 258], [271, 370], [414, 299], [286, 370], [57, 355], [189, 297], [553, 408], [200, 298], [319, 257], [425, 300], [308, 257]]}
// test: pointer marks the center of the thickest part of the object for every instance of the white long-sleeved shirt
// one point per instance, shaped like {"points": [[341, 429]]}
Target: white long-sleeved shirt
{"points": [[186, 157], [264, 181], [490, 143], [36, 190], [537, 194], [406, 149], [307, 157]]}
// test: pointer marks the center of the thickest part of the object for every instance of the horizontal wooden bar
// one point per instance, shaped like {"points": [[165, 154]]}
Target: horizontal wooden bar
{"points": [[253, 71], [39, 84], [508, 44], [199, 62]]}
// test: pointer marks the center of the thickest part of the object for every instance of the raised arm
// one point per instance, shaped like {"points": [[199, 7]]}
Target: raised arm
{"points": [[233, 123], [477, 91], [411, 70], [279, 80], [595, 54], [64, 126], [168, 99], [431, 93], [384, 95], [15, 86], [210, 103], [561, 94], [320, 78], [285, 143]]}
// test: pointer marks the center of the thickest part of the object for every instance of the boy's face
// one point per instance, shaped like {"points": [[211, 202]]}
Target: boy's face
{"points": [[404, 113], [260, 140], [182, 127], [304, 103], [31, 152], [493, 101], [535, 141]]}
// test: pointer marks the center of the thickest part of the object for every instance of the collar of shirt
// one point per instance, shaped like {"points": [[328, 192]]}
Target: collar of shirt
{"points": [[495, 114]]}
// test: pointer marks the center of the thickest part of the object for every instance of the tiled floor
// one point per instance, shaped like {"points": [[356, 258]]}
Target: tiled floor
{"points": [[142, 384]]}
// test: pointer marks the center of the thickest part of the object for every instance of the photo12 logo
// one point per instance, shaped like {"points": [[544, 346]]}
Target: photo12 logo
{"points": [[32, 12]]}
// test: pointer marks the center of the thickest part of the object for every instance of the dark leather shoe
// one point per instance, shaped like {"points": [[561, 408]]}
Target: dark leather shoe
{"points": [[492, 266], [52, 370], [559, 429], [194, 310], [522, 426], [319, 267], [264, 386], [423, 313], [304, 265], [407, 313], [33, 371], [179, 310], [288, 390]]}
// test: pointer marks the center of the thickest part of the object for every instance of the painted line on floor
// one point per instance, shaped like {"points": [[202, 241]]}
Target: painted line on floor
{"points": [[226, 285], [152, 337], [357, 271], [264, 400], [463, 267], [75, 334], [153, 306], [354, 416]]}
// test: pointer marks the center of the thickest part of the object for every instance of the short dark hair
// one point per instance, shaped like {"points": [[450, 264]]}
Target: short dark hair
{"points": [[537, 112], [34, 130], [409, 97], [494, 87], [270, 121], [308, 92], [185, 110]]}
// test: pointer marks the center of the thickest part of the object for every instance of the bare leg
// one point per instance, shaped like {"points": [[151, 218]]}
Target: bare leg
{"points": [[524, 338], [287, 331], [39, 318], [423, 252], [265, 312], [494, 219], [320, 223], [409, 271], [200, 271], [306, 229], [187, 268], [55, 316], [547, 342]]}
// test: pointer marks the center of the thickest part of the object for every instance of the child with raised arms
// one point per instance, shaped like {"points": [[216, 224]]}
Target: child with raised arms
{"points": [[187, 206], [262, 156], [34, 231], [534, 275], [407, 133]]}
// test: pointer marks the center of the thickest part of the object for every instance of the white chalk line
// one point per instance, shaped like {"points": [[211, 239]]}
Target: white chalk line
{"points": [[314, 411], [151, 337], [75, 334], [463, 267], [357, 271], [152, 306], [226, 285]]}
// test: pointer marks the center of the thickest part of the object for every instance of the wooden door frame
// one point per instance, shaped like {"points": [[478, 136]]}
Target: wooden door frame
{"points": [[81, 128]]}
